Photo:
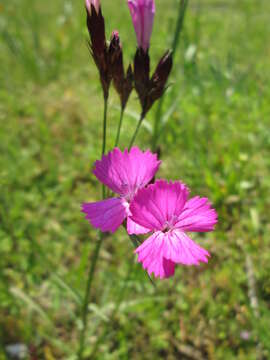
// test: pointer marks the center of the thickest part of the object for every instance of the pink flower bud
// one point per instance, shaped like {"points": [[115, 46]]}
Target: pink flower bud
{"points": [[142, 13], [115, 34], [95, 3]]}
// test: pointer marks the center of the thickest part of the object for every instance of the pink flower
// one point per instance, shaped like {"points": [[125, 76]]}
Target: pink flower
{"points": [[124, 173], [164, 209], [142, 13], [95, 3]]}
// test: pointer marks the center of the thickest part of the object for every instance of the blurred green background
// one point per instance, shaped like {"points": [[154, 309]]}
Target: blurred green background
{"points": [[217, 140]]}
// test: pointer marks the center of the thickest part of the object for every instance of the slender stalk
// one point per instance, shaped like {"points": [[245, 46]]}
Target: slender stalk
{"points": [[104, 125], [156, 124], [179, 24], [104, 138], [119, 301], [87, 296], [137, 242], [84, 313], [119, 127], [178, 29], [136, 131]]}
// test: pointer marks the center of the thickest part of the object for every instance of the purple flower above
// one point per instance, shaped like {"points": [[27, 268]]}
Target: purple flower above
{"points": [[142, 13], [124, 173], [164, 209]]}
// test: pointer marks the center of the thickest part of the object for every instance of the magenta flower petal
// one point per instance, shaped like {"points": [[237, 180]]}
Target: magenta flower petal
{"points": [[150, 254], [164, 209], [134, 228], [106, 215], [197, 216], [180, 249], [126, 172], [159, 204], [161, 251], [142, 13]]}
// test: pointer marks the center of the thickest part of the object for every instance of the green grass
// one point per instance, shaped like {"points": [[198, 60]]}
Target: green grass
{"points": [[216, 141]]}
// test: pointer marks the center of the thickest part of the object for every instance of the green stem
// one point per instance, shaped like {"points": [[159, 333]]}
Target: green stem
{"points": [[179, 24], [119, 301], [104, 125], [137, 242], [92, 268], [178, 29], [87, 296], [104, 138], [124, 288], [156, 125], [119, 127], [136, 131]]}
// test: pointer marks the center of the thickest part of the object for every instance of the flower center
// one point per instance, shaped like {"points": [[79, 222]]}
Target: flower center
{"points": [[169, 224], [131, 191]]}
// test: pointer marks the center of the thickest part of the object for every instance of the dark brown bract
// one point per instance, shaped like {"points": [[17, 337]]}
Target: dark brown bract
{"points": [[150, 89], [123, 83], [98, 46]]}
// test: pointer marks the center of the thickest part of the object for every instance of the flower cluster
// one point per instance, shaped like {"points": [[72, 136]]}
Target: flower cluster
{"points": [[109, 58], [161, 208]]}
